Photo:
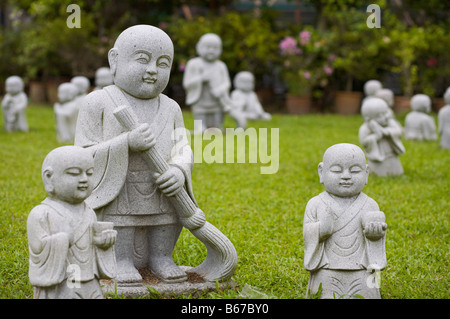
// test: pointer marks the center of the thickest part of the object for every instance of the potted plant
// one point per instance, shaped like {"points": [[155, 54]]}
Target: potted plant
{"points": [[305, 69]]}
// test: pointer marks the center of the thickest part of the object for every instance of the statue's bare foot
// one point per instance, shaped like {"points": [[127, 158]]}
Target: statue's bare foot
{"points": [[127, 273], [166, 270]]}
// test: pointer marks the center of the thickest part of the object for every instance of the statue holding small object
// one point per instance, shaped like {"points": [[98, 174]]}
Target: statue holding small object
{"points": [[344, 230], [70, 251]]}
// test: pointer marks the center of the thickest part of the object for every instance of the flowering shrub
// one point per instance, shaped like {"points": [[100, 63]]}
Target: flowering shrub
{"points": [[307, 62]]}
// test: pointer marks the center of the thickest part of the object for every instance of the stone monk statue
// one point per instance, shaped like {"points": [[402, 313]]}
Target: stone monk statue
{"points": [[127, 191], [344, 229], [70, 251]]}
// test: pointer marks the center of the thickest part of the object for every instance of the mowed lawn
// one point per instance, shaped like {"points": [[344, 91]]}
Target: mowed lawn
{"points": [[262, 214]]}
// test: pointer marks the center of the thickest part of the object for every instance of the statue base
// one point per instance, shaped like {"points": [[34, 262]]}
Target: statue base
{"points": [[151, 286]]}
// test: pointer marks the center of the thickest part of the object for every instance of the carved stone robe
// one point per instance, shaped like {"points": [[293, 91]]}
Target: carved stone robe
{"points": [[198, 93], [125, 192], [51, 256], [382, 155], [341, 262]]}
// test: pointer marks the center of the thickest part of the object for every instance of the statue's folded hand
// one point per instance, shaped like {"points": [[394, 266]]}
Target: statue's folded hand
{"points": [[171, 181]]}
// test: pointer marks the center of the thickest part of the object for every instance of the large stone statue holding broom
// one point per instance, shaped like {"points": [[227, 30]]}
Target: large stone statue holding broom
{"points": [[142, 170]]}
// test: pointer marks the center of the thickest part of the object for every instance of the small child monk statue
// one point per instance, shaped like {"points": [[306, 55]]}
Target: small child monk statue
{"points": [[128, 191], [66, 112], [419, 125], [343, 229], [14, 105], [444, 121], [246, 105], [380, 136], [207, 83], [69, 250], [103, 78]]}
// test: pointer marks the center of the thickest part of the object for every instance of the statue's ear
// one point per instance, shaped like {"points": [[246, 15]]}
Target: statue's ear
{"points": [[320, 170], [112, 59], [48, 181]]}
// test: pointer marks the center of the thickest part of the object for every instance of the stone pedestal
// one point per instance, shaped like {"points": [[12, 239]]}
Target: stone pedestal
{"points": [[152, 286]]}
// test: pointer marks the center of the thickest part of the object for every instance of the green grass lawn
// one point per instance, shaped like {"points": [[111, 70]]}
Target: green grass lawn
{"points": [[261, 214]]}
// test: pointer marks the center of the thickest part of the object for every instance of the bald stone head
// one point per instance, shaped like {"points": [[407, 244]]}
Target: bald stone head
{"points": [[67, 172], [386, 95], [14, 85], [421, 103], [82, 83], [343, 170], [447, 96], [371, 87], [244, 81], [209, 47], [376, 109], [141, 60]]}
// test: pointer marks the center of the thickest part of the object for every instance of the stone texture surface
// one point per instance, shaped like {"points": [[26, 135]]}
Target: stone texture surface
{"points": [[144, 164], [14, 105], [246, 105], [444, 121], [380, 136], [207, 83], [69, 249], [343, 229], [194, 286], [419, 125]]}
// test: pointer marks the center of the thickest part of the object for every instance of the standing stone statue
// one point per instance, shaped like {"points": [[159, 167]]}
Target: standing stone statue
{"points": [[144, 163], [83, 84], [419, 125], [14, 105], [444, 121], [103, 78], [380, 136], [371, 87], [343, 229], [207, 83], [246, 105], [69, 250], [66, 112]]}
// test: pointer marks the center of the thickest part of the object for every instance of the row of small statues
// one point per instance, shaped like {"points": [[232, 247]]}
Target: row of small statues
{"points": [[381, 133], [244, 104], [206, 81], [118, 198]]}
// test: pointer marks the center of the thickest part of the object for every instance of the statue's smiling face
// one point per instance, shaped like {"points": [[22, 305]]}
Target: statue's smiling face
{"points": [[142, 62]]}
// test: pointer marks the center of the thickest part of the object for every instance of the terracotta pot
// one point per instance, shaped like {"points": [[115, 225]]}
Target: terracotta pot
{"points": [[347, 102], [437, 104], [265, 95], [298, 104], [37, 92], [401, 104]]}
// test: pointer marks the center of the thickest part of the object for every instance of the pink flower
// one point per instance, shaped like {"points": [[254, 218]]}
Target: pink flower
{"points": [[332, 57], [288, 46], [307, 75], [304, 36], [328, 70]]}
